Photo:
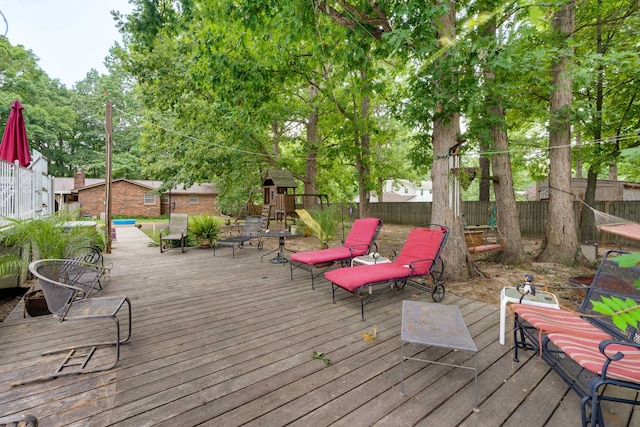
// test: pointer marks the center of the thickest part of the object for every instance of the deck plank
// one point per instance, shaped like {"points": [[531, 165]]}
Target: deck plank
{"points": [[228, 341]]}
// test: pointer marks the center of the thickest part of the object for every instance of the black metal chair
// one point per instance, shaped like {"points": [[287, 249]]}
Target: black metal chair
{"points": [[67, 301], [250, 232]]}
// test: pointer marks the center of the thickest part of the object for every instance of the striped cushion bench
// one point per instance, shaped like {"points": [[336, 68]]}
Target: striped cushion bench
{"points": [[585, 348]]}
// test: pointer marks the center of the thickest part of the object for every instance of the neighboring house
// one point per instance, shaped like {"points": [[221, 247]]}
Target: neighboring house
{"points": [[402, 190], [131, 197], [606, 190]]}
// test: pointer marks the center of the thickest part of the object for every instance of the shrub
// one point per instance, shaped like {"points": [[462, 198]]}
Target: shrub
{"points": [[205, 229], [46, 237]]}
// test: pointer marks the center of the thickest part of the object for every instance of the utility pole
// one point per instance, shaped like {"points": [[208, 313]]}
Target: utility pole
{"points": [[107, 201]]}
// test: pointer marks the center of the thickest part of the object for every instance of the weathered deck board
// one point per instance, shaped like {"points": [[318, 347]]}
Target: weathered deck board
{"points": [[228, 341]]}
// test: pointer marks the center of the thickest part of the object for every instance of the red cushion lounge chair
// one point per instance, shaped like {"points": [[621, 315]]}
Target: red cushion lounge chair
{"points": [[359, 242], [419, 257]]}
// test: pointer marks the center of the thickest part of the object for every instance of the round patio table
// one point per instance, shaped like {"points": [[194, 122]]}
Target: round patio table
{"points": [[282, 236]]}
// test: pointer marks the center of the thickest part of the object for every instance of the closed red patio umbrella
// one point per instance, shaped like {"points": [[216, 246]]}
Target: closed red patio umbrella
{"points": [[14, 144]]}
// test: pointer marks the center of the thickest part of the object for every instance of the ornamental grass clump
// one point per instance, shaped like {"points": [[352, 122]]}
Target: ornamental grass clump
{"points": [[26, 240]]}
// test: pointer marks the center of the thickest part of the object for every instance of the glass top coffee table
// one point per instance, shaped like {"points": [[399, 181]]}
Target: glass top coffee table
{"points": [[436, 325]]}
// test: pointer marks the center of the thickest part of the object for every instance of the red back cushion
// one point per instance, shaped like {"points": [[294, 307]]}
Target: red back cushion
{"points": [[361, 235], [422, 243]]}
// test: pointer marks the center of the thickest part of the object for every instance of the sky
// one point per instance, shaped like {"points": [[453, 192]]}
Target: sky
{"points": [[69, 36]]}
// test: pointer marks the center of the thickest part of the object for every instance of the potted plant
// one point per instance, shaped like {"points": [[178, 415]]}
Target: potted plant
{"points": [[29, 239], [320, 223], [205, 229]]}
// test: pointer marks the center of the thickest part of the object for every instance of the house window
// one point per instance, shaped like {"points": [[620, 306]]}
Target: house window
{"points": [[193, 199], [149, 199], [165, 199], [422, 191]]}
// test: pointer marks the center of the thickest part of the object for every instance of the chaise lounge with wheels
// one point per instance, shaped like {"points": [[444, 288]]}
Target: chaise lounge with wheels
{"points": [[359, 241], [418, 262]]}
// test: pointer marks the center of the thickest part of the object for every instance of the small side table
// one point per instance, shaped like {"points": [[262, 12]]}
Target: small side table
{"points": [[436, 325], [369, 260], [511, 294]]}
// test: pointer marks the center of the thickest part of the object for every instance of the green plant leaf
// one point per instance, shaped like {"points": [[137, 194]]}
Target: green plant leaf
{"points": [[628, 260], [311, 223], [601, 307]]}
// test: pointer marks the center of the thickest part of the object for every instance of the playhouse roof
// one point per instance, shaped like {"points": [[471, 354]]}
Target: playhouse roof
{"points": [[280, 178]]}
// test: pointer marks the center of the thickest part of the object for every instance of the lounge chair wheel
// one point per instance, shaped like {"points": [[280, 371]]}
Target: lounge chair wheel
{"points": [[438, 292], [259, 246], [400, 284]]}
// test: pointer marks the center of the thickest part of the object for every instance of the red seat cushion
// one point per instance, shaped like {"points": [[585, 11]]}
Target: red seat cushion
{"points": [[550, 320], [352, 278], [585, 351], [485, 248], [357, 243], [319, 256]]}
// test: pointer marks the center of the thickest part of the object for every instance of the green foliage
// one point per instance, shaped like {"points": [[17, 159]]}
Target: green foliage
{"points": [[320, 223], [624, 313], [205, 228], [42, 238]]}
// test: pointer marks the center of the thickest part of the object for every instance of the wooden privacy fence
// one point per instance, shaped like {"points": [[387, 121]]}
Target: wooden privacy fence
{"points": [[532, 215]]}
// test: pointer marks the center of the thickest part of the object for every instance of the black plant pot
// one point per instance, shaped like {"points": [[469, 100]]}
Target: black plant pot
{"points": [[35, 304]]}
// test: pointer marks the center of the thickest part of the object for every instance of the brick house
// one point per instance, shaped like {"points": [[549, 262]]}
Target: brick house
{"points": [[132, 197]]}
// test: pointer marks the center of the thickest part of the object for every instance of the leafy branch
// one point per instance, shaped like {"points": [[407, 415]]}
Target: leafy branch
{"points": [[624, 313]]}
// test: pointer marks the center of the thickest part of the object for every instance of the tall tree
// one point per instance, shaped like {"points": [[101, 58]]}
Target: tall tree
{"points": [[503, 187], [607, 64], [560, 243]]}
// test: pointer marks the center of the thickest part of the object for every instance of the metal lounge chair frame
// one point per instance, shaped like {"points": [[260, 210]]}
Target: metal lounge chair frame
{"points": [[178, 226], [68, 303], [419, 259], [359, 241], [19, 421], [250, 231], [93, 256]]}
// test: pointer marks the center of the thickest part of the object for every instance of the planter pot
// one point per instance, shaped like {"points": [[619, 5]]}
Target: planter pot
{"points": [[35, 304]]}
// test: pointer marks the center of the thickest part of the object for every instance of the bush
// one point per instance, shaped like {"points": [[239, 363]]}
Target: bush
{"points": [[43, 238], [204, 229]]}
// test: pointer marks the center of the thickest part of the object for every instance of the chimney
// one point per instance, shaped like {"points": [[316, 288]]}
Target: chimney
{"points": [[78, 179]]}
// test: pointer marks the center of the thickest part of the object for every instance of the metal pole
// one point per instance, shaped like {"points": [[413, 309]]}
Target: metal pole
{"points": [[107, 205]]}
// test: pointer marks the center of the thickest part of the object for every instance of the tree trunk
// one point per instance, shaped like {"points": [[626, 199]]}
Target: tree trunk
{"points": [[311, 165], [560, 243], [311, 161], [485, 171], [363, 151], [446, 127], [506, 206], [587, 219]]}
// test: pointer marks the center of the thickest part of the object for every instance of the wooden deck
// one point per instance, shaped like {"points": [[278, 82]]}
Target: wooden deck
{"points": [[222, 341]]}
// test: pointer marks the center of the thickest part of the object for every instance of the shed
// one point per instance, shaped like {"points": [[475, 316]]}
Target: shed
{"points": [[278, 190]]}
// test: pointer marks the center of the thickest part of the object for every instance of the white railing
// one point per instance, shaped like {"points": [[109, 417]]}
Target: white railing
{"points": [[26, 192]]}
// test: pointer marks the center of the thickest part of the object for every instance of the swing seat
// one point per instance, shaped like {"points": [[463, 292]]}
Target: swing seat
{"points": [[489, 241]]}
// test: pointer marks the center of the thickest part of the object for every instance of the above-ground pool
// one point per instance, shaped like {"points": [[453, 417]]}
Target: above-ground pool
{"points": [[123, 221]]}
